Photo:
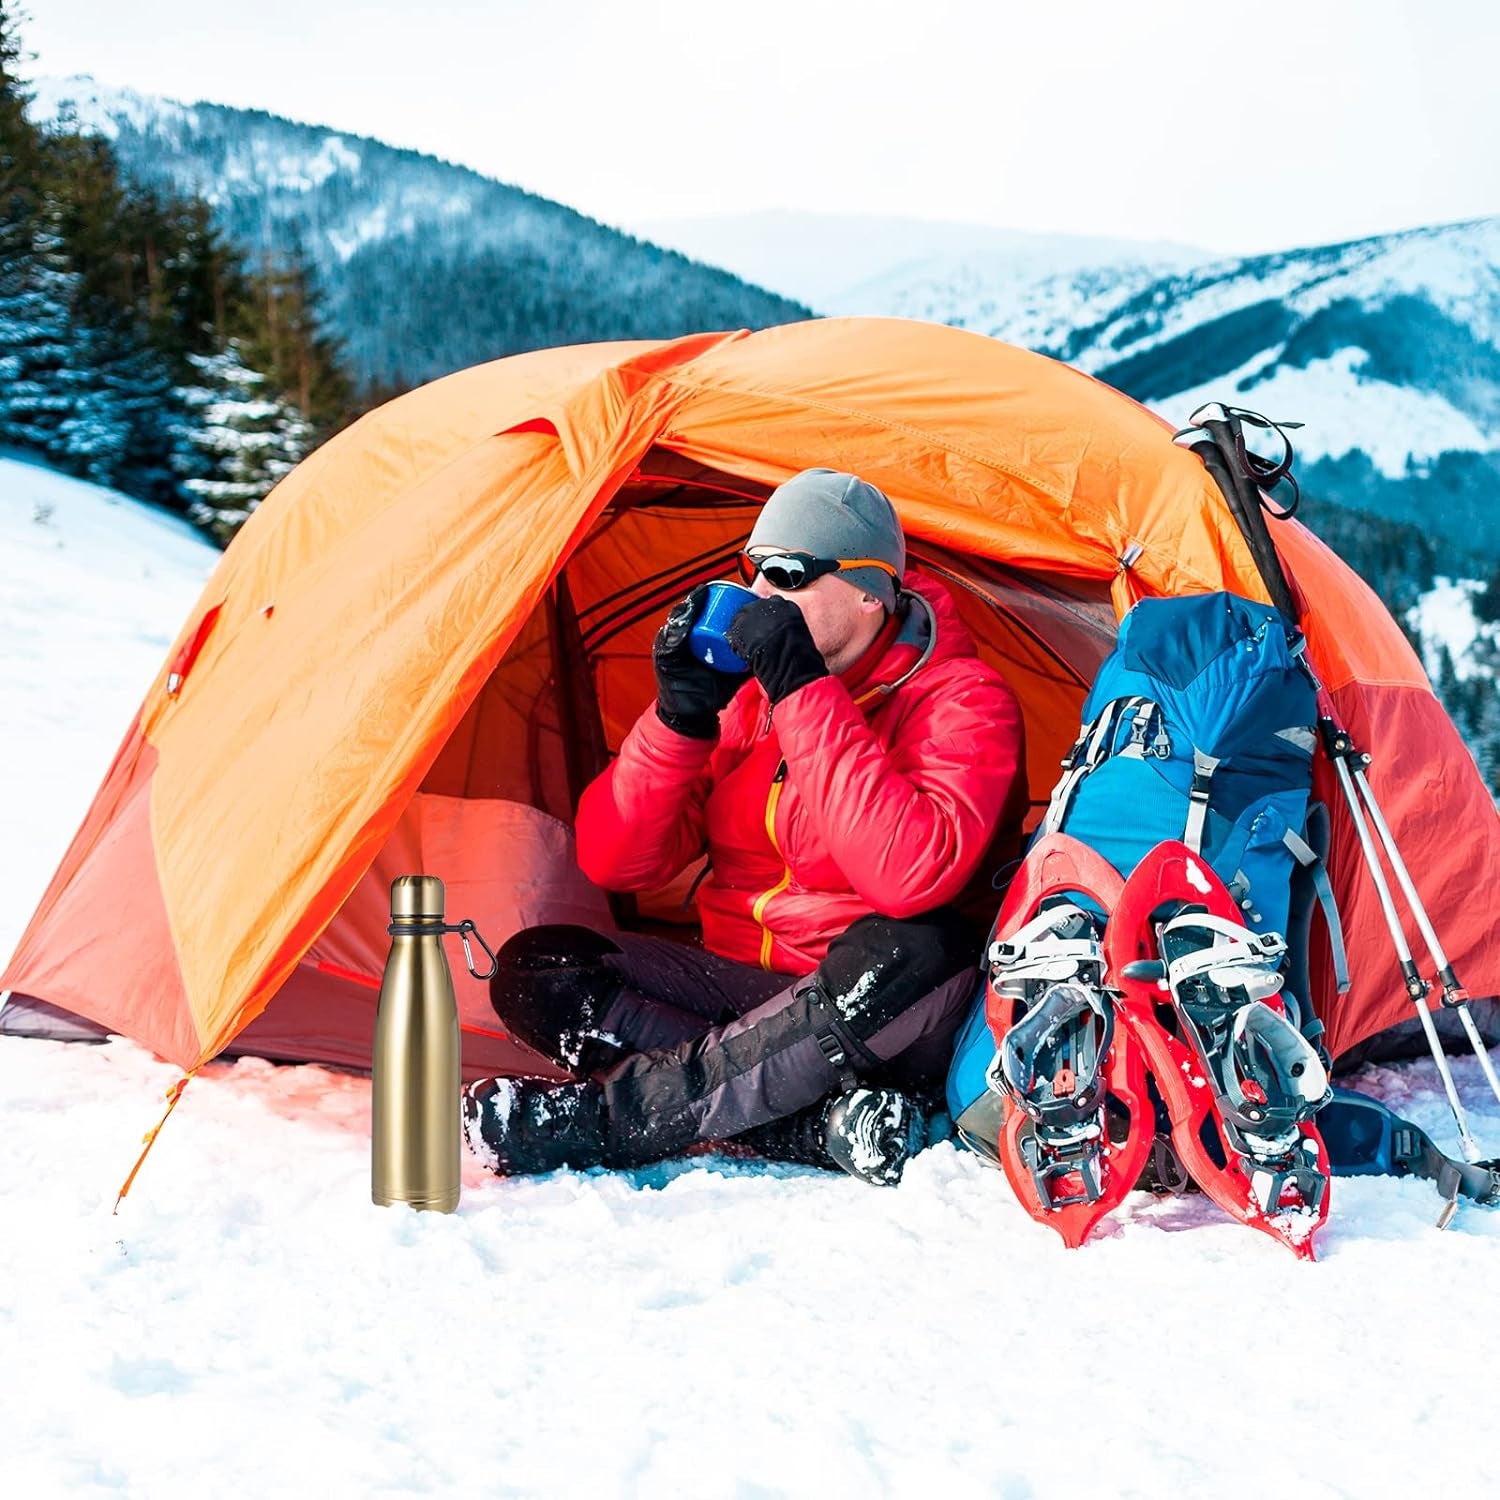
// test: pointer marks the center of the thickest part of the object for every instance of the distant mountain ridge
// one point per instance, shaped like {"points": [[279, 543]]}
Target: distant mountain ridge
{"points": [[842, 263], [1387, 348], [428, 267]]}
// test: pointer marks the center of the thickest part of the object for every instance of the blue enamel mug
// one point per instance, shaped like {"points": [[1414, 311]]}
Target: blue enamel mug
{"points": [[706, 639]]}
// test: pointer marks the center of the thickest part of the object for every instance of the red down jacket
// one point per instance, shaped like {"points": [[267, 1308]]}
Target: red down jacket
{"points": [[875, 791]]}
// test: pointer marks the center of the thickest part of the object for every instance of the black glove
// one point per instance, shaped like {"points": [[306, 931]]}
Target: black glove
{"points": [[689, 695], [772, 636]]}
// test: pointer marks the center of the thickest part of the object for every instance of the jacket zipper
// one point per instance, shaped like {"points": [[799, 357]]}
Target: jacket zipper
{"points": [[757, 911]]}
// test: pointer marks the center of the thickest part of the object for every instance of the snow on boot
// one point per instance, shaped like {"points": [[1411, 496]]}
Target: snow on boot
{"points": [[868, 1133], [872, 1134], [526, 1125]]}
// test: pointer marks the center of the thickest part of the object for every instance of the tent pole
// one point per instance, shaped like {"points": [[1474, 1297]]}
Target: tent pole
{"points": [[585, 748]]}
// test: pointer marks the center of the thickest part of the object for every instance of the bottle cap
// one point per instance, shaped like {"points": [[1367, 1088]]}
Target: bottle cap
{"points": [[416, 896]]}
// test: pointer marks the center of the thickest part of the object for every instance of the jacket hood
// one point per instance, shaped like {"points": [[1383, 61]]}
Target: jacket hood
{"points": [[931, 631]]}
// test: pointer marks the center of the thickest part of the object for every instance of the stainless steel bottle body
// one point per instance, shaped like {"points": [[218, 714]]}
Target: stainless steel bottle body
{"points": [[414, 1141]]}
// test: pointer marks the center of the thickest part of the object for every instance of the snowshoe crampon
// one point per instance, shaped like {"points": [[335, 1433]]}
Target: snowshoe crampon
{"points": [[1076, 1126], [1200, 996]]}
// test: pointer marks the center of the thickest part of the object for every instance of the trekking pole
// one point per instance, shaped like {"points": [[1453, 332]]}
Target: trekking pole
{"points": [[1245, 478], [1341, 751], [1455, 996]]}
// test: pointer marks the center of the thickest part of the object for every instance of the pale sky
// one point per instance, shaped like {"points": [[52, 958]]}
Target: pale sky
{"points": [[1236, 127]]}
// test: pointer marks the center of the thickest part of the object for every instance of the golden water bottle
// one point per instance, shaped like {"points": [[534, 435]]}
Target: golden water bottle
{"points": [[415, 1126]]}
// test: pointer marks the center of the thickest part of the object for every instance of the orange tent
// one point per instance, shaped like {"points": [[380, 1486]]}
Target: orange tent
{"points": [[432, 634]]}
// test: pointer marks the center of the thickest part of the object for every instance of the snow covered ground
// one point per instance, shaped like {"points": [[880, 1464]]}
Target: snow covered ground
{"points": [[249, 1325]]}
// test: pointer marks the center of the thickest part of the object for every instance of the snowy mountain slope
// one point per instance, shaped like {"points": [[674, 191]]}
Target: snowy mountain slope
{"points": [[1444, 618], [1038, 294], [1457, 623], [428, 266], [93, 588], [249, 1324], [1390, 345], [1386, 348]]}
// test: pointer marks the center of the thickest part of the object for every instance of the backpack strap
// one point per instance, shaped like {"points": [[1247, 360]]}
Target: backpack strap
{"points": [[1307, 857], [1301, 736], [1204, 767], [1091, 747], [1365, 1137]]}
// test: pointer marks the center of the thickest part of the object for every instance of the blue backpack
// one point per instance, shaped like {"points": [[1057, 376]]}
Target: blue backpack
{"points": [[1200, 726]]}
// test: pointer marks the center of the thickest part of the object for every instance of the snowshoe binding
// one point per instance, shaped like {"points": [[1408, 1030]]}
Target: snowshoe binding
{"points": [[1052, 1064]]}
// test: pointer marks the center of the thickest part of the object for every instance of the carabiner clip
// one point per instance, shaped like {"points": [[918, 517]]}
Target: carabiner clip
{"points": [[464, 929]]}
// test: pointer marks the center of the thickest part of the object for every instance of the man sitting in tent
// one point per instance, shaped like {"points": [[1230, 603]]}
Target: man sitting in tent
{"points": [[845, 797]]}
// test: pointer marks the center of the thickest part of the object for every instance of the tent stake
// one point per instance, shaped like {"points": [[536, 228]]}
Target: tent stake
{"points": [[173, 1095]]}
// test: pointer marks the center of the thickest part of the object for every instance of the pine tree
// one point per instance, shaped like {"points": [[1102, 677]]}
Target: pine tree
{"points": [[120, 429], [281, 325], [37, 293], [1484, 737], [37, 288], [241, 439], [1486, 603]]}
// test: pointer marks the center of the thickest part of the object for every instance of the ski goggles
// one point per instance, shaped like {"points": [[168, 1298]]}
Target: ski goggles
{"points": [[789, 571]]}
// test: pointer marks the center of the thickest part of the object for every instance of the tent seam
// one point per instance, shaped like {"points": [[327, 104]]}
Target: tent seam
{"points": [[1067, 501]]}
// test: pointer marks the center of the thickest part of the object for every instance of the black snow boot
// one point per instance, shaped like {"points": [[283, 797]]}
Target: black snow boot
{"points": [[868, 1133], [525, 1125]]}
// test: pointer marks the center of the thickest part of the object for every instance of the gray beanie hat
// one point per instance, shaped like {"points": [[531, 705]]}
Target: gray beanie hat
{"points": [[833, 515]]}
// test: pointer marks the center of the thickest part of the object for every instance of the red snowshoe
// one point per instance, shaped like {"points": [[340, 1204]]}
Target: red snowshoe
{"points": [[1200, 994], [1173, 986], [1077, 1124]]}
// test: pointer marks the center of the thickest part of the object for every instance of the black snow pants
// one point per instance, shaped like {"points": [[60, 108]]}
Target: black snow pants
{"points": [[689, 1047]]}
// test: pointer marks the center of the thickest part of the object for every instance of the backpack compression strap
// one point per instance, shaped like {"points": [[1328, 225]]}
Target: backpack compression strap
{"points": [[1091, 748], [1307, 857], [1204, 767]]}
